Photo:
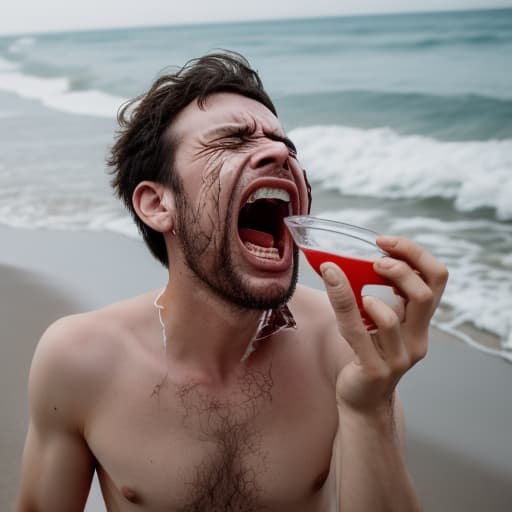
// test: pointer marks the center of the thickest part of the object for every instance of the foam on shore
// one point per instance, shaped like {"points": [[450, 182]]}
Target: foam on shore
{"points": [[57, 93]]}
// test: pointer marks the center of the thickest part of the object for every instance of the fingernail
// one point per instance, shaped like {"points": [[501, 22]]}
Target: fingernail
{"points": [[387, 240], [385, 262], [329, 274], [367, 299]]}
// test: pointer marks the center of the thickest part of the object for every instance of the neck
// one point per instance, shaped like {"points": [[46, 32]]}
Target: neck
{"points": [[203, 333]]}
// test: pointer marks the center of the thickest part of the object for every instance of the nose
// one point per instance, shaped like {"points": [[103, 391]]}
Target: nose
{"points": [[270, 153]]}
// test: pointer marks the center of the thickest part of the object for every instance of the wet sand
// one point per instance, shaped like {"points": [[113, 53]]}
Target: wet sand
{"points": [[458, 401]]}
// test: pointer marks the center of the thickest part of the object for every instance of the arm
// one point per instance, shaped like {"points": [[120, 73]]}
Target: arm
{"points": [[368, 450], [370, 469], [57, 465]]}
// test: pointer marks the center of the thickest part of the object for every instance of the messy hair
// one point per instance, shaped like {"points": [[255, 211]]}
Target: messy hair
{"points": [[143, 150]]}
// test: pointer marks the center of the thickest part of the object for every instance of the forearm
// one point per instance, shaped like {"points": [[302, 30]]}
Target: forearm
{"points": [[370, 467]]}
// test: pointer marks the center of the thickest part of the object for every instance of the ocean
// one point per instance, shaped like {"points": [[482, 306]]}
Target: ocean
{"points": [[404, 123]]}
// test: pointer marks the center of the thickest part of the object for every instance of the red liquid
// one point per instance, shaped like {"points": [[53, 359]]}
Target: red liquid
{"points": [[359, 273]]}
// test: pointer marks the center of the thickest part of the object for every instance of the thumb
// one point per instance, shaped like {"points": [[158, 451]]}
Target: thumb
{"points": [[342, 300]]}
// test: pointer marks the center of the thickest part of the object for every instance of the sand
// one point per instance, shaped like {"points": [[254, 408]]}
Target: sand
{"points": [[458, 401]]}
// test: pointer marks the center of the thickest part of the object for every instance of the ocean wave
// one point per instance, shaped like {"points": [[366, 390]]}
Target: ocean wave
{"points": [[446, 41], [381, 163], [21, 44], [6, 65], [58, 93], [449, 117]]}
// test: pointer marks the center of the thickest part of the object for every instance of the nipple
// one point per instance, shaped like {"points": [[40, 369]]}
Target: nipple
{"points": [[130, 494]]}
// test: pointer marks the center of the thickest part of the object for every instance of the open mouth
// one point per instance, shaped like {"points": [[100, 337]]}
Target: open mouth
{"points": [[260, 222]]}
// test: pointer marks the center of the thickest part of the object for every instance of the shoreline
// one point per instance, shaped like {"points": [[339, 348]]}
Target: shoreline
{"points": [[466, 333], [457, 401]]}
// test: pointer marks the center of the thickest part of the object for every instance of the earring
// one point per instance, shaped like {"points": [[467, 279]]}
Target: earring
{"points": [[173, 232]]}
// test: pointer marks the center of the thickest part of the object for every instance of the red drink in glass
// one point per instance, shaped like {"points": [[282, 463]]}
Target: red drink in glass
{"points": [[358, 271], [352, 248]]}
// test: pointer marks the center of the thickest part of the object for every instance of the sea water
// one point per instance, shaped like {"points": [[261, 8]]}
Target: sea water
{"points": [[403, 122]]}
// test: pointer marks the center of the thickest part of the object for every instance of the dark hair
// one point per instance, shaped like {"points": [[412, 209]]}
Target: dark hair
{"points": [[142, 151]]}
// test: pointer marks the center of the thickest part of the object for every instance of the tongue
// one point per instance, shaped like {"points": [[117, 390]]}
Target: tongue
{"points": [[257, 237]]}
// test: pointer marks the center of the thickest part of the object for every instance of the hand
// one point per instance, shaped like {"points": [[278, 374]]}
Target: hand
{"points": [[367, 383]]}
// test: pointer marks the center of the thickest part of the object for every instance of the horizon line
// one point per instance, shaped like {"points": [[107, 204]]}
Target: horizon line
{"points": [[248, 20]]}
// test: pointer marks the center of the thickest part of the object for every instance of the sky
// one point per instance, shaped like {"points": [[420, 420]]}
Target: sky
{"points": [[27, 16]]}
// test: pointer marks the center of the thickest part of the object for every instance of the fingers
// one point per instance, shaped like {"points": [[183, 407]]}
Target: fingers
{"points": [[389, 341], [419, 276], [421, 300], [434, 272], [349, 320], [399, 350]]}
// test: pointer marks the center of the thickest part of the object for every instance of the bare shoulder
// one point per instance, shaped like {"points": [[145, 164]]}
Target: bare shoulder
{"points": [[312, 307], [76, 358], [314, 314], [67, 369]]}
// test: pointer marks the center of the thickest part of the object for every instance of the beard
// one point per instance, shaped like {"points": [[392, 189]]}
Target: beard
{"points": [[222, 276]]}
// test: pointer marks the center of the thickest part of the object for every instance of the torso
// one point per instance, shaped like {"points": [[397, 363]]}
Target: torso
{"points": [[261, 441]]}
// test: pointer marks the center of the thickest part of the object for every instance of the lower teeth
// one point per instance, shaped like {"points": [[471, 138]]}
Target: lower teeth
{"points": [[268, 253]]}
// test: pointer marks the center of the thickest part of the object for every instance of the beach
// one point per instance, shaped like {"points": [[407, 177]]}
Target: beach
{"points": [[457, 401], [403, 125], [401, 121]]}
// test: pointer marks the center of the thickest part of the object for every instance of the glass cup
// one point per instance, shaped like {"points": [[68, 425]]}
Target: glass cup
{"points": [[352, 248]]}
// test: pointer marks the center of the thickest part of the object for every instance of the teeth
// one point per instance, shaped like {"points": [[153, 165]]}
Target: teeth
{"points": [[268, 253], [269, 193]]}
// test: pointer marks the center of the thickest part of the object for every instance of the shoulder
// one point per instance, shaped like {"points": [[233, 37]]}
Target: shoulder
{"points": [[67, 369], [76, 359], [317, 322], [305, 295], [311, 307]]}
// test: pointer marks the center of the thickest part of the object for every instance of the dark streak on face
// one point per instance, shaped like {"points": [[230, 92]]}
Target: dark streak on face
{"points": [[221, 276]]}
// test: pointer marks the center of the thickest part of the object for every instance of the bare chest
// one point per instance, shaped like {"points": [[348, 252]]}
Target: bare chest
{"points": [[263, 444]]}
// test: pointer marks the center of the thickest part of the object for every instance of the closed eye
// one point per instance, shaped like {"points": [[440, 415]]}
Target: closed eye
{"points": [[285, 140]]}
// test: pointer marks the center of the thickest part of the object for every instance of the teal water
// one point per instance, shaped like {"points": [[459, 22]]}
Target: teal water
{"points": [[415, 73], [402, 121]]}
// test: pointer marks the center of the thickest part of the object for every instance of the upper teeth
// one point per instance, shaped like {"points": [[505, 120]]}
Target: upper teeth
{"points": [[269, 193]]}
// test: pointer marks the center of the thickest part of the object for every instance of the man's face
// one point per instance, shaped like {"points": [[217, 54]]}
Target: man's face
{"points": [[238, 180]]}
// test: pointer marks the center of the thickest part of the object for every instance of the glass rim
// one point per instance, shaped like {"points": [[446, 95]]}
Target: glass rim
{"points": [[332, 226]]}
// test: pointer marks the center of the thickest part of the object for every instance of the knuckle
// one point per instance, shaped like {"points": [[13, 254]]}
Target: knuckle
{"points": [[442, 274], [401, 364], [378, 373], [418, 352], [424, 296], [395, 266], [399, 267], [342, 299], [410, 247], [388, 321]]}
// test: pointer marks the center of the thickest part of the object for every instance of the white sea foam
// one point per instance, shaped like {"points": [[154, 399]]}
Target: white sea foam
{"points": [[56, 93], [29, 215], [21, 44], [379, 162], [479, 289], [6, 65]]}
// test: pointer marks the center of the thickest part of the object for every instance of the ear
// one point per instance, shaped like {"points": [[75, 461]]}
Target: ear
{"points": [[155, 205]]}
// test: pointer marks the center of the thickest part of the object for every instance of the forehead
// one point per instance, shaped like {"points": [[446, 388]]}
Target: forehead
{"points": [[222, 109]]}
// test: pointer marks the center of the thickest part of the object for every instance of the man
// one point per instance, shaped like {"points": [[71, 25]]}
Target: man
{"points": [[202, 397]]}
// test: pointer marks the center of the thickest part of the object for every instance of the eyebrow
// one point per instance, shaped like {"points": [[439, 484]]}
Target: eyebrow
{"points": [[229, 130], [281, 138]]}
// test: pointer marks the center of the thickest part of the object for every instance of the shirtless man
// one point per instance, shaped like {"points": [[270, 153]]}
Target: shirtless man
{"points": [[199, 398]]}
